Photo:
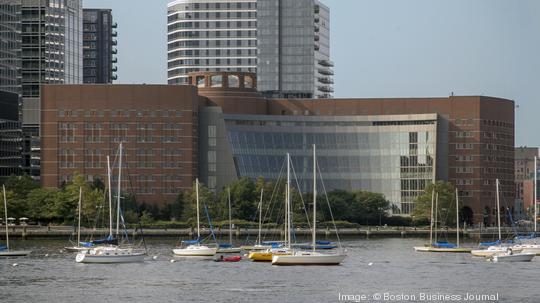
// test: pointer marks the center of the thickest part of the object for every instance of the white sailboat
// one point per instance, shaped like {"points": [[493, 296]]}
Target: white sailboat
{"points": [[4, 250], [78, 247], [228, 248], [259, 245], [300, 257], [494, 249], [194, 248], [111, 253]]}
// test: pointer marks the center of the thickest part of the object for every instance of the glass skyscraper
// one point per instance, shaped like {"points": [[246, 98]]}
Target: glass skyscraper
{"points": [[51, 54], [10, 46], [293, 42], [99, 46], [211, 36]]}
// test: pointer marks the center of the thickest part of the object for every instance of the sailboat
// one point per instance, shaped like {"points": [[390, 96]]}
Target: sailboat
{"points": [[227, 248], [493, 249], [440, 246], [194, 247], [79, 246], [301, 257], [260, 245], [278, 248], [112, 253], [4, 250]]}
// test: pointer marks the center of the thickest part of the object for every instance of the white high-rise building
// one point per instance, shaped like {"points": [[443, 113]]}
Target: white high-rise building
{"points": [[217, 35]]}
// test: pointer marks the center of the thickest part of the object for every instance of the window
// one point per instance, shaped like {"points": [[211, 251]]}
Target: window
{"points": [[248, 82], [200, 81], [234, 81], [216, 81]]}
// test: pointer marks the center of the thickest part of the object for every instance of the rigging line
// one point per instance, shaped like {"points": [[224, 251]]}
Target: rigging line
{"points": [[301, 196], [328, 203], [275, 193]]}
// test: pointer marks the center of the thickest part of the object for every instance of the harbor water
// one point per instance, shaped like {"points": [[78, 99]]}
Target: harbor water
{"points": [[376, 270]]}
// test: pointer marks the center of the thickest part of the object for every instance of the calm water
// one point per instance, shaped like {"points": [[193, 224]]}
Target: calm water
{"points": [[373, 266]]}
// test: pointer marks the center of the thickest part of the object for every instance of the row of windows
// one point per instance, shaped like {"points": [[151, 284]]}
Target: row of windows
{"points": [[464, 134], [124, 113], [66, 162], [464, 158], [96, 138], [209, 62], [213, 25]]}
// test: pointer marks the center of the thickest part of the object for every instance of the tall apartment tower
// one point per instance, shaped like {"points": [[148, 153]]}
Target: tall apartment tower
{"points": [[99, 32], [51, 54], [293, 42], [211, 36], [10, 46]]}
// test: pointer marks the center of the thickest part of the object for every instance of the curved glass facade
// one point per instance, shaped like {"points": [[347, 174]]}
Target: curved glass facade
{"points": [[393, 155]]}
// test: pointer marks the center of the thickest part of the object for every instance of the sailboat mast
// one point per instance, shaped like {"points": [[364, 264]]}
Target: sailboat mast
{"points": [[535, 201], [110, 194], [260, 215], [457, 217], [79, 227], [288, 200], [5, 216], [431, 221], [230, 218], [314, 197], [498, 209], [436, 213], [197, 198], [118, 192]]}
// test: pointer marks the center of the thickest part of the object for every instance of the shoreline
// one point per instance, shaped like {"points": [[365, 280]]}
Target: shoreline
{"points": [[31, 232]]}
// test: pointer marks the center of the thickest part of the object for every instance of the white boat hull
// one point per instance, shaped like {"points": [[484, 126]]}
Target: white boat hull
{"points": [[308, 258], [109, 255], [521, 257], [15, 253], [195, 251], [232, 250]]}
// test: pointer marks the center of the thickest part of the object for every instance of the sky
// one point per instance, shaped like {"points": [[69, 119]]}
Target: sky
{"points": [[389, 48]]}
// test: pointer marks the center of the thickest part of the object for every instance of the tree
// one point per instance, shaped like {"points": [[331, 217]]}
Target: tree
{"points": [[446, 204], [17, 189], [340, 203], [41, 204]]}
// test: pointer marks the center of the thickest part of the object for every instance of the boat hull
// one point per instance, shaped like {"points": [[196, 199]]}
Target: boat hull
{"points": [[528, 249], [104, 259], [521, 257], [442, 249], [489, 252], [77, 248], [308, 259], [231, 250], [266, 256], [195, 251], [15, 253]]}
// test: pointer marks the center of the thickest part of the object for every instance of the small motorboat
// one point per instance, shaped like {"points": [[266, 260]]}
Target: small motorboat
{"points": [[510, 256], [228, 259]]}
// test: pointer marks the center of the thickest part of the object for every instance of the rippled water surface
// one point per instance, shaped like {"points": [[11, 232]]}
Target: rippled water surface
{"points": [[376, 266]]}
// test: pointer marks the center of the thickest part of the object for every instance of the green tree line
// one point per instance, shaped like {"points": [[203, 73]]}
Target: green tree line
{"points": [[59, 205]]}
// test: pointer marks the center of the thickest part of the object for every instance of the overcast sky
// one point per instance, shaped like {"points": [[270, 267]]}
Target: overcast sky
{"points": [[389, 48]]}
